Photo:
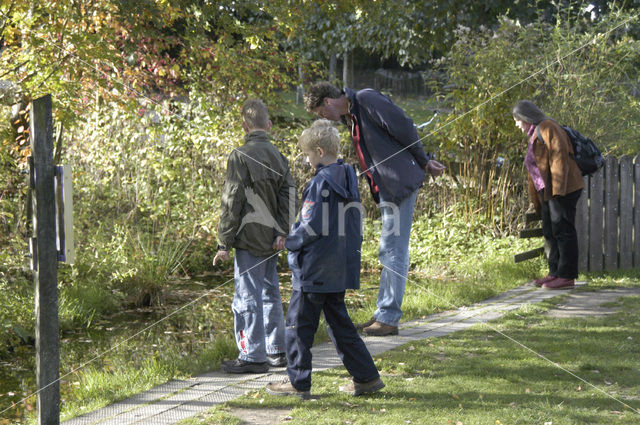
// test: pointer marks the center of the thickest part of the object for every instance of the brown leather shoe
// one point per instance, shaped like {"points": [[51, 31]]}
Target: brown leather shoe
{"points": [[380, 329], [542, 281], [559, 283], [361, 326]]}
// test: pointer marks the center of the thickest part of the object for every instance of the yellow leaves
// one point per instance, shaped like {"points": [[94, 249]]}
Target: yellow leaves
{"points": [[254, 42], [11, 35]]}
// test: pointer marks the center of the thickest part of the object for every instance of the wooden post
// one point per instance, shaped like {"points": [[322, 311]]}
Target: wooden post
{"points": [[611, 208], [46, 264], [596, 222], [636, 212], [626, 213], [582, 227]]}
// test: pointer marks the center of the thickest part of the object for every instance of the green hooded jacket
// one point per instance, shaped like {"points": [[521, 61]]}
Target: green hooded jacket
{"points": [[259, 199]]}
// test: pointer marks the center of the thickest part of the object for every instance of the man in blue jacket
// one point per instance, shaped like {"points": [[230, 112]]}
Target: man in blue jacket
{"points": [[324, 257], [395, 165]]}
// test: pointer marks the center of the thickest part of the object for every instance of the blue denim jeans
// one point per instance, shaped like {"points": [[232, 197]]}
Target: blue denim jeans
{"points": [[394, 257], [257, 307], [303, 317]]}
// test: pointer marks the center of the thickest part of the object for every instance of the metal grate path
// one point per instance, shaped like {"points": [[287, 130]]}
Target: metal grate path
{"points": [[180, 399]]}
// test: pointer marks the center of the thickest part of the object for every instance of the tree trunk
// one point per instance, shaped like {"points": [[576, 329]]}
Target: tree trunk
{"points": [[333, 68], [300, 88], [347, 70]]}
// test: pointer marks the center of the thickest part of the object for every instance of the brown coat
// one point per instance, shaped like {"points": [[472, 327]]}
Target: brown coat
{"points": [[560, 172]]}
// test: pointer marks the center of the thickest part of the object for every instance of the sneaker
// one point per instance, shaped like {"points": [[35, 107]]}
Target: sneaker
{"points": [[359, 388], [542, 281], [361, 326], [285, 388], [559, 283], [380, 329], [277, 360], [242, 366]]}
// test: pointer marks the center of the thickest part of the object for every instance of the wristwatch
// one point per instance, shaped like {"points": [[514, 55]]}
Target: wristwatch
{"points": [[222, 248]]}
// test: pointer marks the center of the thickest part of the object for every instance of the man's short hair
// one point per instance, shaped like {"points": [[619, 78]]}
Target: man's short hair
{"points": [[255, 114], [322, 134], [318, 92]]}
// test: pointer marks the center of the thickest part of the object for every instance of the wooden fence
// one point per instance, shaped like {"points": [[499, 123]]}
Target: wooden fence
{"points": [[607, 218]]}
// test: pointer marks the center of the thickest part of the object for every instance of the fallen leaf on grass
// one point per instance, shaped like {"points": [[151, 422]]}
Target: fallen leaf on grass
{"points": [[346, 403]]}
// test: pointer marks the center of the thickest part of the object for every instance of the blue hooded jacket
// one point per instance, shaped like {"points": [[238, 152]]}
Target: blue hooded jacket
{"points": [[324, 245]]}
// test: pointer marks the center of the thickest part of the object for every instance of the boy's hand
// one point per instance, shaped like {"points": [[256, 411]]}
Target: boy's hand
{"points": [[221, 256], [434, 168], [278, 244]]}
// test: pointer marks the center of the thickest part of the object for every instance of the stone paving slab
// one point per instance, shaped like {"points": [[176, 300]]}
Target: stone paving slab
{"points": [[589, 304], [181, 399]]}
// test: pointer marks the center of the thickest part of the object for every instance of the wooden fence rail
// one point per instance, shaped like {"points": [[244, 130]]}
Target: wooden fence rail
{"points": [[607, 218]]}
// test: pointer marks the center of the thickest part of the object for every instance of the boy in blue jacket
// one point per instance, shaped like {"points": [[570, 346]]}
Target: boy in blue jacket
{"points": [[324, 257]]}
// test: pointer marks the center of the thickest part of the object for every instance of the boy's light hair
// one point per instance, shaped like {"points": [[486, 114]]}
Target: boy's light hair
{"points": [[255, 114], [322, 134]]}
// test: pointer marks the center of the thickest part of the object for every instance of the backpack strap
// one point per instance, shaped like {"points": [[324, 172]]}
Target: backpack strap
{"points": [[571, 155], [539, 134]]}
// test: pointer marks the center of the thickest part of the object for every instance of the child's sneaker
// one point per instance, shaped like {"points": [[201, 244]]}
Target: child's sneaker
{"points": [[359, 388], [242, 366], [277, 360], [285, 388]]}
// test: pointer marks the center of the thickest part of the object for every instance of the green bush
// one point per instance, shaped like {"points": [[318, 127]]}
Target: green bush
{"points": [[580, 74]]}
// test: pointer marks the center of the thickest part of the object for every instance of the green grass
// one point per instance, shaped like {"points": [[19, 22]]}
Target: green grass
{"points": [[452, 265], [480, 377]]}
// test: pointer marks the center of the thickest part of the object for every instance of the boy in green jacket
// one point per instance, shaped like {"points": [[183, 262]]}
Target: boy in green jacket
{"points": [[258, 203]]}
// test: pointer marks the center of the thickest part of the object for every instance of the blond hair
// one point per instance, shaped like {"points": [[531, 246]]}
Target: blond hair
{"points": [[255, 114], [322, 134]]}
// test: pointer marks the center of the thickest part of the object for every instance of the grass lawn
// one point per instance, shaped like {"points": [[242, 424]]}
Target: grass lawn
{"points": [[481, 377]]}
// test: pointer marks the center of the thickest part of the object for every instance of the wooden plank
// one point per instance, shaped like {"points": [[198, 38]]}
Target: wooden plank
{"points": [[46, 274], [611, 209], [531, 233], [596, 207], [626, 213], [582, 227], [531, 217], [528, 255], [636, 213]]}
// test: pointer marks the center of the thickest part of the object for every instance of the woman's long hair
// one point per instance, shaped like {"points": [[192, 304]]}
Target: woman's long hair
{"points": [[527, 111]]}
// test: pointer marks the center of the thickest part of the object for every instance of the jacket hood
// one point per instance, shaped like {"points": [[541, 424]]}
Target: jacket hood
{"points": [[342, 179]]}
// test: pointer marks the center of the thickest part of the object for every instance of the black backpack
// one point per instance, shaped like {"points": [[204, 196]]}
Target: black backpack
{"points": [[585, 152]]}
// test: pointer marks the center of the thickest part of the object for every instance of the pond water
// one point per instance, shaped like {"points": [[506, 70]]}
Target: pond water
{"points": [[191, 316]]}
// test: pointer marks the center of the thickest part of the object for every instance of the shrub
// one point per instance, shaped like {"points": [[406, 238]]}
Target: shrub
{"points": [[572, 70]]}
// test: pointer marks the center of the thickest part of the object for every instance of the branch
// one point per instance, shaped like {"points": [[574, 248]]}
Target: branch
{"points": [[14, 69], [6, 21]]}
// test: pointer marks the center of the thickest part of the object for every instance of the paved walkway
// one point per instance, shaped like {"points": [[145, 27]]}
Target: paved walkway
{"points": [[181, 399]]}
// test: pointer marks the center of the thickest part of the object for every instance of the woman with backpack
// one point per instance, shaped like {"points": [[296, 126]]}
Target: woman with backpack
{"points": [[555, 185]]}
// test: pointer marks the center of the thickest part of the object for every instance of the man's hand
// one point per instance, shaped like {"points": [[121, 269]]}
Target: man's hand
{"points": [[278, 244], [434, 168], [221, 256]]}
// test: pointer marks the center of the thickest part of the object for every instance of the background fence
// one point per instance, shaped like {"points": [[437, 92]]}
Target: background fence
{"points": [[607, 218]]}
